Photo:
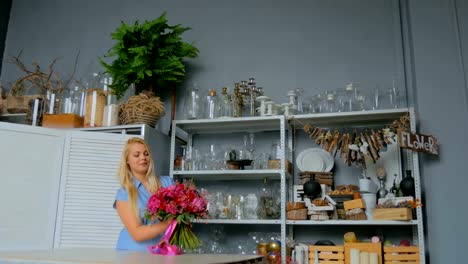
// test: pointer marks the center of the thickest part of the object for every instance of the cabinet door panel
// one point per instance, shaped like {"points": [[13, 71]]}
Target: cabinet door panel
{"points": [[30, 165], [88, 187]]}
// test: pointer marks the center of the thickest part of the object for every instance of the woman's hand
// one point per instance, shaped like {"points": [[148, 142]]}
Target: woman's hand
{"points": [[167, 223], [137, 230]]}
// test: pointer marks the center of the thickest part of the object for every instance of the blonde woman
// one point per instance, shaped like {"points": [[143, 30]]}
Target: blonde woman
{"points": [[138, 181]]}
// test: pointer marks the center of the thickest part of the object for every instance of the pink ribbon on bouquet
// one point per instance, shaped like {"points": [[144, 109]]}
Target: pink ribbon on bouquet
{"points": [[163, 247]]}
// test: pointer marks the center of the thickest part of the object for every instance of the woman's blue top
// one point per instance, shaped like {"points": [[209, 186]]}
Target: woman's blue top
{"points": [[125, 241]]}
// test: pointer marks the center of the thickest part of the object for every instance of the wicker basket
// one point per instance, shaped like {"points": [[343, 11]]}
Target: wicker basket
{"points": [[144, 108], [19, 104]]}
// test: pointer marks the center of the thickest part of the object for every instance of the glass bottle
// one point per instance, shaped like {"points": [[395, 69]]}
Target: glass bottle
{"points": [[265, 206], [71, 101], [192, 103], [245, 153], [35, 111], [250, 208], [52, 103], [292, 98], [111, 111], [67, 103], [226, 104], [300, 100], [330, 103], [382, 192], [350, 102], [212, 105]]}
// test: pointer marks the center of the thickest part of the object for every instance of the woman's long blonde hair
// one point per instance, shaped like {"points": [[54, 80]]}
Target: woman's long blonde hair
{"points": [[125, 175]]}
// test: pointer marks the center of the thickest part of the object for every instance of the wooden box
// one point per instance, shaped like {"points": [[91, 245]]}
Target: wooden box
{"points": [[62, 121], [352, 204], [326, 254], [276, 165], [295, 205], [407, 255], [393, 214], [298, 214], [363, 247]]}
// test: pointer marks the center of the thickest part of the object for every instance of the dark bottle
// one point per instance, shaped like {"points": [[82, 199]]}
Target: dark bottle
{"points": [[407, 185]]}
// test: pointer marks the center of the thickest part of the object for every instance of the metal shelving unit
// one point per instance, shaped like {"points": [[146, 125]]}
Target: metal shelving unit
{"points": [[233, 125], [278, 123]]}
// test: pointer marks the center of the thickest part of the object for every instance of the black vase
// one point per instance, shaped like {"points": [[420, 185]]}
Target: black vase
{"points": [[312, 188], [407, 185]]}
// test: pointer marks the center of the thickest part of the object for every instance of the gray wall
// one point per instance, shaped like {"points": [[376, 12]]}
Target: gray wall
{"points": [[316, 45], [312, 44], [438, 53]]}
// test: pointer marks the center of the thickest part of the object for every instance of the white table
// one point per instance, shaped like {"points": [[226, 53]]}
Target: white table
{"points": [[105, 256]]}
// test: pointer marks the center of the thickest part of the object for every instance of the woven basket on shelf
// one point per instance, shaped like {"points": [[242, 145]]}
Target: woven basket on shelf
{"points": [[144, 108]]}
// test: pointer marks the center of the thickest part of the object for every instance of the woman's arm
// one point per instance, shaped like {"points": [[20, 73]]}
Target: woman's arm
{"points": [[137, 230]]}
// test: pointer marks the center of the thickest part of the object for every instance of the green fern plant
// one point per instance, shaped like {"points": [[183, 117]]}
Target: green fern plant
{"points": [[150, 55]]}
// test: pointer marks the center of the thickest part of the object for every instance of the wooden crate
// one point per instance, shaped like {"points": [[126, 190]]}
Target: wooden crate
{"points": [[327, 254], [352, 204], [393, 214], [401, 255], [363, 247]]}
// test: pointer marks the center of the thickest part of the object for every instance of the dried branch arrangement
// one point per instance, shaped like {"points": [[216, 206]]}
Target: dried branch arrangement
{"points": [[42, 79]]}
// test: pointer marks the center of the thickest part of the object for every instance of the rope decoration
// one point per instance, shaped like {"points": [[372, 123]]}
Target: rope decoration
{"points": [[355, 147], [144, 108]]}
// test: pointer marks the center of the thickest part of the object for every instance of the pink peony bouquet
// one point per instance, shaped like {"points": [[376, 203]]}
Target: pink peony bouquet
{"points": [[182, 203]]}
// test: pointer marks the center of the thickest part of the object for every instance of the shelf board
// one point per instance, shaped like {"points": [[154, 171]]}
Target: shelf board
{"points": [[13, 115], [353, 222], [231, 174], [272, 123], [239, 222], [231, 125], [121, 129], [356, 118]]}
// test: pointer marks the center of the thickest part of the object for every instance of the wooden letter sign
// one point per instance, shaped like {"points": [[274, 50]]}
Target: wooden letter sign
{"points": [[418, 142]]}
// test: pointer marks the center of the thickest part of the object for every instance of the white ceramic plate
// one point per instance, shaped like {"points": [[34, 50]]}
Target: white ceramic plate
{"points": [[310, 160], [328, 160]]}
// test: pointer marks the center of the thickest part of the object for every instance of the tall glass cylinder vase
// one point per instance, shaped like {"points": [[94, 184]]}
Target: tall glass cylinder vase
{"points": [[94, 107]]}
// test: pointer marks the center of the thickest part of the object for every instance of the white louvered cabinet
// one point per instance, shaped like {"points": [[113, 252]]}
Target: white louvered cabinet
{"points": [[85, 216]]}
